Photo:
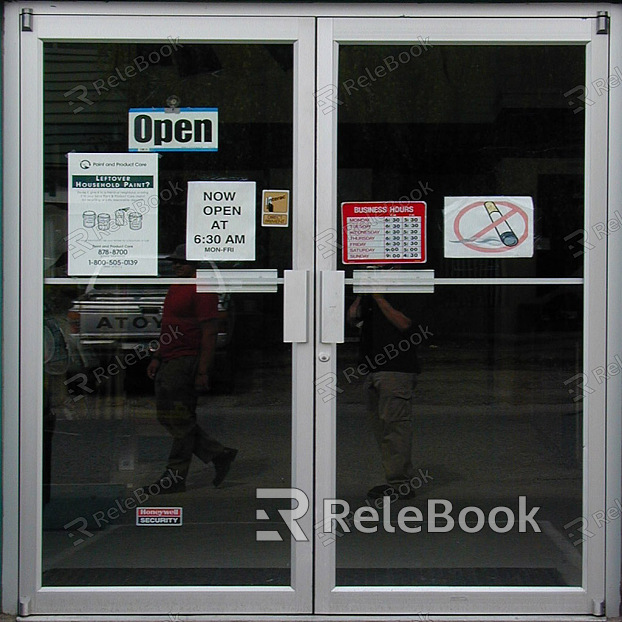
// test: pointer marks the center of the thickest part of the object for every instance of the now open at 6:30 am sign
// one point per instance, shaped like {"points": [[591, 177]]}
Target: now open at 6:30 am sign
{"points": [[221, 223], [386, 232]]}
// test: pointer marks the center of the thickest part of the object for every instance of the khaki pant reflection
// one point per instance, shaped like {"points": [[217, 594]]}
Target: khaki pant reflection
{"points": [[390, 409], [176, 402]]}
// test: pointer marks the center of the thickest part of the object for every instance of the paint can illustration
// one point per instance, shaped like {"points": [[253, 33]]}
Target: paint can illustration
{"points": [[136, 220], [88, 219], [103, 222], [119, 217]]}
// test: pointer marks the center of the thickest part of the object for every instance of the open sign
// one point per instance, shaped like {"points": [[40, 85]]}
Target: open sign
{"points": [[189, 129]]}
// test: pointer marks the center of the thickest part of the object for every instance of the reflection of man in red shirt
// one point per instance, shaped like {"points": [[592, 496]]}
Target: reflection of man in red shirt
{"points": [[180, 368]]}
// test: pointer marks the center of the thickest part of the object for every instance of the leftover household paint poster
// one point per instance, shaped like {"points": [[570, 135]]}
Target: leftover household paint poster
{"points": [[113, 214], [494, 227]]}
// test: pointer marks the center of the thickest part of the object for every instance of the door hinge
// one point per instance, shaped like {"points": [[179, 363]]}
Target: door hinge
{"points": [[598, 607], [24, 606], [26, 20], [602, 23]]}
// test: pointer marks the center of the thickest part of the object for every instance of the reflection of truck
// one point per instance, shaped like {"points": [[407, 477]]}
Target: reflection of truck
{"points": [[113, 321]]}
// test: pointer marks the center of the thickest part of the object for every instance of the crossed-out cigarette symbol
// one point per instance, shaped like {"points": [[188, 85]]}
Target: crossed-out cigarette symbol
{"points": [[507, 236], [498, 221]]}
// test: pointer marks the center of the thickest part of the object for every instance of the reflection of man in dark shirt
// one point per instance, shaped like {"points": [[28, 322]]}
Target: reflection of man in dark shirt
{"points": [[386, 320], [386, 344], [180, 368]]}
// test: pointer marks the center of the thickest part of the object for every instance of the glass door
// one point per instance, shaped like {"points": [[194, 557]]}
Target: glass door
{"points": [[457, 444], [201, 296], [168, 297]]}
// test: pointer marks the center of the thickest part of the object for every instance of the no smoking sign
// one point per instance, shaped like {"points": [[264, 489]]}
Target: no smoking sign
{"points": [[489, 226]]}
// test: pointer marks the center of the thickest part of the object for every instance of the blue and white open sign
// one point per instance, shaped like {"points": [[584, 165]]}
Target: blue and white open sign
{"points": [[183, 129]]}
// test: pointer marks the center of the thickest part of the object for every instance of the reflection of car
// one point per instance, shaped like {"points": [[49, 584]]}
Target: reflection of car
{"points": [[116, 321]]}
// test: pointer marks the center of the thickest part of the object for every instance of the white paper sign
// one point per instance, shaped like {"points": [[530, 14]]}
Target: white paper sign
{"points": [[113, 214], [221, 221], [493, 227]]}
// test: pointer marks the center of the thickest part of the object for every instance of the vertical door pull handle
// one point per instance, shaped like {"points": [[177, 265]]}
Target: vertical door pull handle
{"points": [[332, 306], [295, 311]]}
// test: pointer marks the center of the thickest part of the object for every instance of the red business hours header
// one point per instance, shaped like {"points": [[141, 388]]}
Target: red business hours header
{"points": [[387, 232]]}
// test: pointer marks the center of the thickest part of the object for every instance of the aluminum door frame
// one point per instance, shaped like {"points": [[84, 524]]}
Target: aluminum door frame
{"points": [[326, 184], [520, 28], [35, 599]]}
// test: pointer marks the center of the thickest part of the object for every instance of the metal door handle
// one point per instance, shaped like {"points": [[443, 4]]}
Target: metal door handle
{"points": [[295, 310], [332, 301]]}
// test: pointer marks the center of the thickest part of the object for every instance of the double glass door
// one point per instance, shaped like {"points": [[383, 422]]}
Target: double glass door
{"points": [[272, 148]]}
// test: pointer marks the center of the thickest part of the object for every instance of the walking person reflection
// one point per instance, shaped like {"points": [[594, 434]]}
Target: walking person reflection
{"points": [[180, 370], [384, 321]]}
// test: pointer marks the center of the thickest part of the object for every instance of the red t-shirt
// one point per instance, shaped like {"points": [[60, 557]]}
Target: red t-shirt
{"points": [[184, 310]]}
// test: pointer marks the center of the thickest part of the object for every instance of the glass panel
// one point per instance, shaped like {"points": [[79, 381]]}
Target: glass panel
{"points": [[468, 121], [105, 449], [493, 415]]}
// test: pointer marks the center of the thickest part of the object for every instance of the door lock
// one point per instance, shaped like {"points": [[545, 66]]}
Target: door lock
{"points": [[324, 357]]}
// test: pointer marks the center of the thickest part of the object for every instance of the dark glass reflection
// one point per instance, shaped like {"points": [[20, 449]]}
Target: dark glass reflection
{"points": [[495, 413], [468, 121], [103, 446]]}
